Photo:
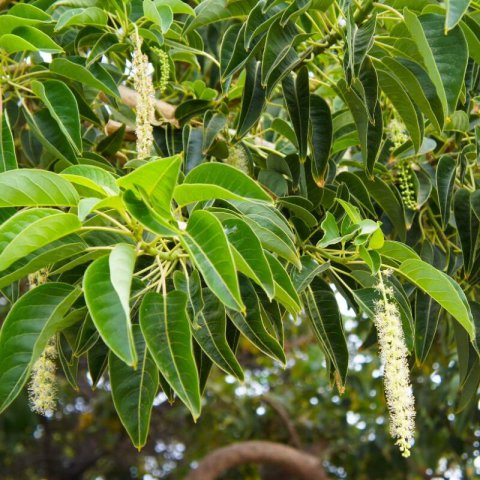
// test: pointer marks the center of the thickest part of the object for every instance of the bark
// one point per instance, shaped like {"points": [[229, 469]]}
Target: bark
{"points": [[299, 464]]}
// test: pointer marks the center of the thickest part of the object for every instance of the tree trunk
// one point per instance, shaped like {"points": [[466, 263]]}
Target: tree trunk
{"points": [[301, 465]]}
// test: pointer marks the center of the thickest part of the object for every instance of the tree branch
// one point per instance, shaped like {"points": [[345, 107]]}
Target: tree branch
{"points": [[297, 463]]}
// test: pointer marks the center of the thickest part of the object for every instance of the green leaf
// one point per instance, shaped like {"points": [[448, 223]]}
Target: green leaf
{"points": [[82, 16], [63, 107], [98, 78], [442, 289], [328, 327], [455, 11], [157, 179], [427, 313], [28, 39], [8, 158], [209, 250], [29, 325], [218, 180], [165, 326], [251, 324], [34, 188], [398, 251], [445, 56], [107, 308], [94, 178], [404, 106], [29, 230], [285, 292], [248, 253], [445, 179], [297, 98], [321, 137], [210, 330], [134, 390], [253, 99], [158, 13], [211, 11], [53, 252]]}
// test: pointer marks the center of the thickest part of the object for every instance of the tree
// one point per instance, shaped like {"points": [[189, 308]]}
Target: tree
{"points": [[174, 178]]}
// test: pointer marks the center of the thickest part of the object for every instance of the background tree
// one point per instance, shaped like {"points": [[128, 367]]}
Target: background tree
{"points": [[180, 179]]}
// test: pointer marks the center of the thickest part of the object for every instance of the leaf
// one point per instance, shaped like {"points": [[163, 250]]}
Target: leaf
{"points": [[8, 158], [455, 11], [34, 188], [158, 13], [321, 137], [218, 180], [107, 309], [62, 249], [157, 179], [63, 107], [426, 321], [82, 16], [251, 324], [297, 98], [248, 253], [212, 11], [165, 326], [285, 292], [253, 99], [29, 230], [29, 325], [445, 179], [441, 288], [97, 78], [208, 248], [210, 331], [90, 176], [404, 106], [328, 327], [398, 251], [134, 390], [28, 39], [445, 56]]}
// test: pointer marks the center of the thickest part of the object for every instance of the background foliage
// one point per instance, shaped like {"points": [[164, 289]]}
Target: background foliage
{"points": [[299, 147]]}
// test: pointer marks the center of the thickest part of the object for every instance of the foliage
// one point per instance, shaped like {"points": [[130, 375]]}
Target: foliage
{"points": [[311, 144]]}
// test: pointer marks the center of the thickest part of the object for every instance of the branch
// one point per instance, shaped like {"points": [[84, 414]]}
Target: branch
{"points": [[5, 3], [297, 463]]}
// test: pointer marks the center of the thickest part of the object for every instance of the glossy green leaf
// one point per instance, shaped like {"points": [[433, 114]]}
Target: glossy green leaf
{"points": [[134, 390], [251, 324], [165, 326], [248, 253], [208, 247], [445, 178], [297, 99], [321, 137], [29, 325], [159, 13], [107, 309], [93, 177], [82, 16], [215, 178], [34, 188], [28, 39], [63, 107], [455, 11], [8, 158], [157, 179], [29, 230], [328, 326], [441, 288], [445, 56]]}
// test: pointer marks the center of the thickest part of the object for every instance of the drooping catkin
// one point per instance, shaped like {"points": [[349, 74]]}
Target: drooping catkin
{"points": [[43, 383], [143, 85], [164, 68], [393, 352], [397, 132]]}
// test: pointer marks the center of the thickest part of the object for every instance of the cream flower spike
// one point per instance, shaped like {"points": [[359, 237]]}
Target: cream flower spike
{"points": [[393, 352], [143, 85]]}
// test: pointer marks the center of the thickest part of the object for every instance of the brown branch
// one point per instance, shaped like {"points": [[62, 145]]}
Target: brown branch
{"points": [[5, 3], [298, 464]]}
